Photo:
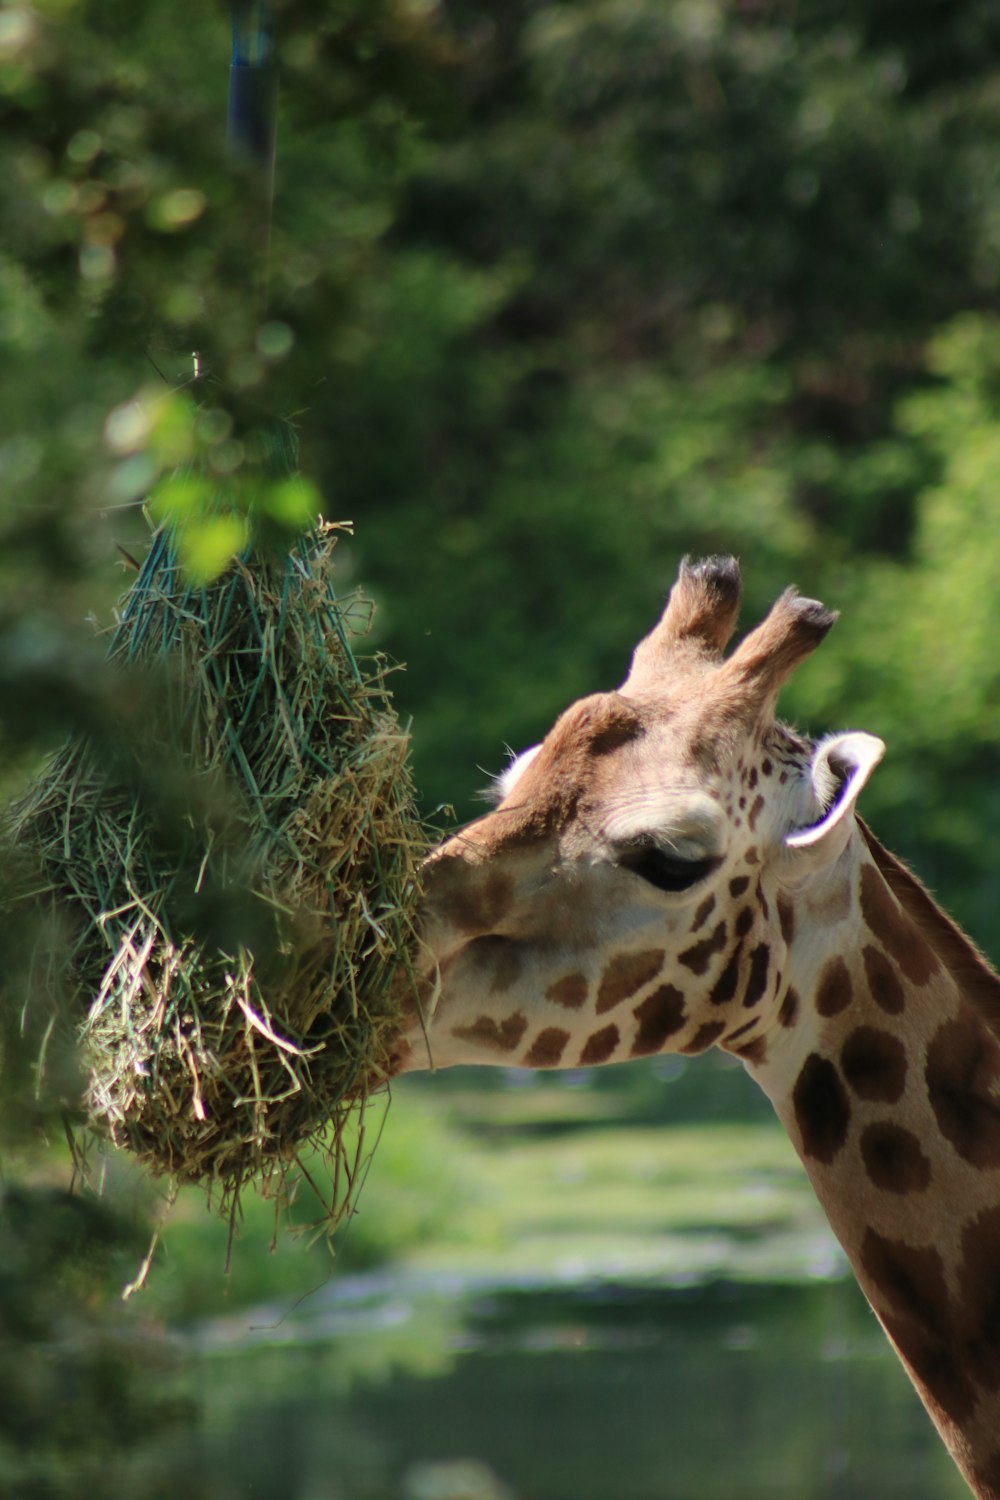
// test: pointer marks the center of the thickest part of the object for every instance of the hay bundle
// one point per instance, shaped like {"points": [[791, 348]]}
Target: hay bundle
{"points": [[269, 793]]}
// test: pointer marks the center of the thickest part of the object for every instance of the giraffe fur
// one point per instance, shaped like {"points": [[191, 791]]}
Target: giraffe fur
{"points": [[672, 869]]}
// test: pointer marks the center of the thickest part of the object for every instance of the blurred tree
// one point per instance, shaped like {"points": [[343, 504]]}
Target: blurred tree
{"points": [[557, 292]]}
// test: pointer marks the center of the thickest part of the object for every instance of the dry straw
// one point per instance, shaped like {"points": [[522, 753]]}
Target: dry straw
{"points": [[271, 787]]}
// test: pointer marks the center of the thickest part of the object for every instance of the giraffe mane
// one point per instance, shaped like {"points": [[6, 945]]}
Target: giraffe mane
{"points": [[968, 966]]}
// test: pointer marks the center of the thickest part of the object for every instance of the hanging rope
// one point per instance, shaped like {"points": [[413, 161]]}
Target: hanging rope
{"points": [[252, 120]]}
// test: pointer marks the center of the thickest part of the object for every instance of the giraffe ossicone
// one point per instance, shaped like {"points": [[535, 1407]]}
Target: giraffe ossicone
{"points": [[673, 869]]}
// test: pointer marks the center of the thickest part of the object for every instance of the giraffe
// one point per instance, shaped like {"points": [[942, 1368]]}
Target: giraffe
{"points": [[673, 869]]}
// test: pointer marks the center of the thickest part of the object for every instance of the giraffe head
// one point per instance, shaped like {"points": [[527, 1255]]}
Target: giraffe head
{"points": [[634, 890]]}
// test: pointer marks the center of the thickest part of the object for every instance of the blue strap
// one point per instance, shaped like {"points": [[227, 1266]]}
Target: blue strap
{"points": [[251, 124], [251, 33]]}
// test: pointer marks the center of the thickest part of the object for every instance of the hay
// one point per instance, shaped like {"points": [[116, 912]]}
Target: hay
{"points": [[269, 789]]}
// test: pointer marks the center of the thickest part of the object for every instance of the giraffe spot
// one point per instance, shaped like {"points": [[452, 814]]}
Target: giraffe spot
{"points": [[751, 857], [477, 906], [704, 1037], [789, 1012], [986, 1475], [821, 1108], [698, 957], [752, 778], [756, 808], [910, 1281], [547, 1048], [500, 958], [767, 769], [835, 992], [883, 981], [874, 1064], [893, 1159], [703, 913], [786, 916], [744, 922], [760, 958], [498, 1036], [599, 1046], [899, 937], [979, 1287], [754, 1052], [660, 1016], [742, 803], [626, 974], [570, 991], [724, 988], [738, 886], [962, 1066], [783, 777], [761, 899], [742, 1030]]}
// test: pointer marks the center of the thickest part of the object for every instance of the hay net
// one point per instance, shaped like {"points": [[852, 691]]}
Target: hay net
{"points": [[239, 863]]}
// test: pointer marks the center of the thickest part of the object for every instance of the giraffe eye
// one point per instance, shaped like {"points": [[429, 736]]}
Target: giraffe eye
{"points": [[668, 872]]}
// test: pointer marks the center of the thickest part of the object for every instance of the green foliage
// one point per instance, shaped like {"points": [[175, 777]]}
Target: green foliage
{"points": [[82, 1403], [556, 293]]}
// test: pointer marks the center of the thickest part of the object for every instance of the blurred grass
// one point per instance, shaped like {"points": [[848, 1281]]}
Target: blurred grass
{"points": [[516, 1200], [534, 1181]]}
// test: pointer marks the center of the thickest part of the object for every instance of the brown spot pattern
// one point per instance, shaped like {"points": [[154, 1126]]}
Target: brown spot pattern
{"points": [[757, 975], [762, 899], [986, 1474], [789, 1012], [703, 913], [754, 1052], [962, 1066], [834, 992], [738, 886], [724, 988], [912, 1298], [500, 957], [893, 1158], [704, 1037], [599, 1046], [821, 1108], [951, 1344], [498, 1036], [750, 1025], [874, 1064], [899, 937], [626, 974], [744, 921], [786, 916], [547, 1048], [698, 957], [477, 905], [756, 808], [570, 991], [883, 982], [979, 1287], [660, 1016]]}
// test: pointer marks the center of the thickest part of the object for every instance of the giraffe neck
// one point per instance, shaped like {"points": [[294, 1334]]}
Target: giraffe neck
{"points": [[890, 1091]]}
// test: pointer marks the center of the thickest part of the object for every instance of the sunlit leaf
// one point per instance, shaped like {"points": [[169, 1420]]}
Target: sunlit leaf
{"points": [[206, 546], [294, 502], [182, 497]]}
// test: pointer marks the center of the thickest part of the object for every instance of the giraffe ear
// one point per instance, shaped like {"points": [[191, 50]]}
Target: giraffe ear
{"points": [[839, 769]]}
